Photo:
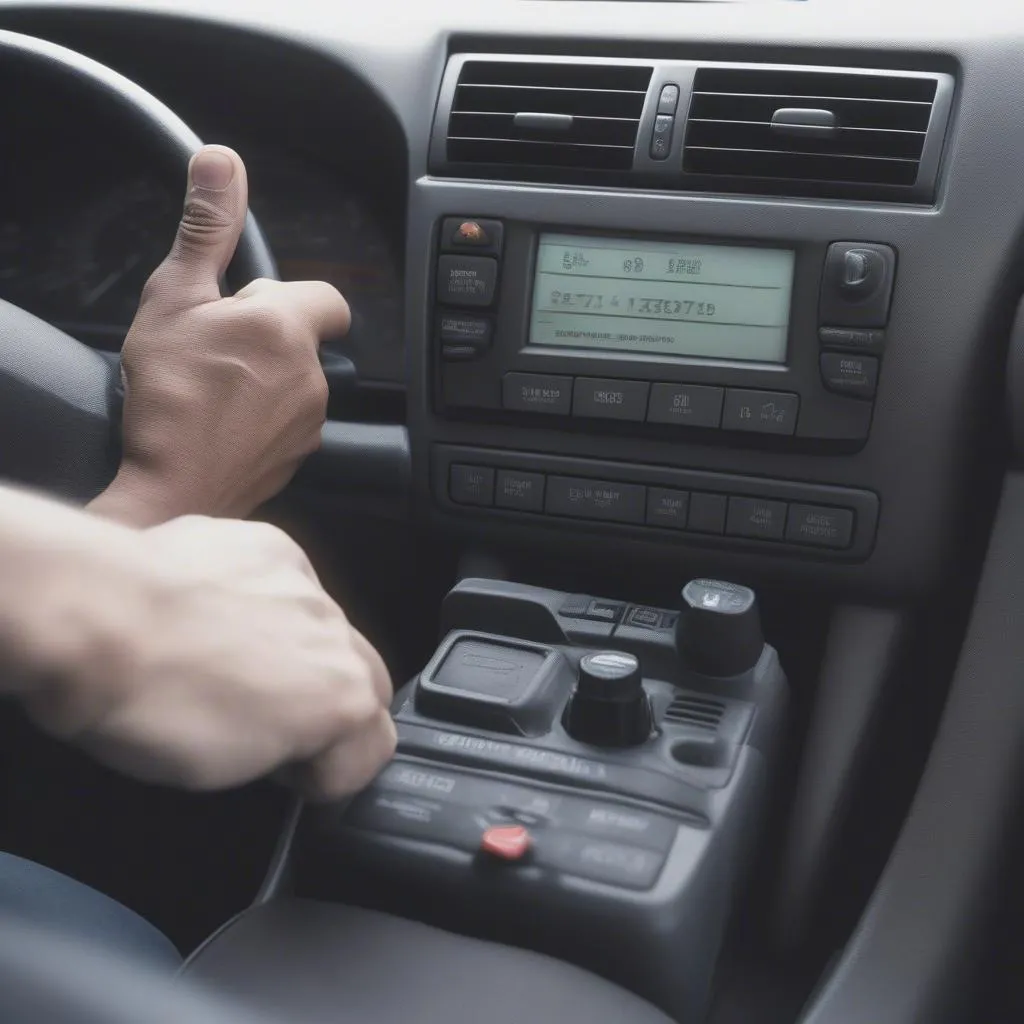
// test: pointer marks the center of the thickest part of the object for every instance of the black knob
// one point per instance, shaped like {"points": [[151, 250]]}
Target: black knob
{"points": [[719, 630], [609, 707]]}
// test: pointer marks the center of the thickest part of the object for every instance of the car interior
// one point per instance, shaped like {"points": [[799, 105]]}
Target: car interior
{"points": [[706, 619]]}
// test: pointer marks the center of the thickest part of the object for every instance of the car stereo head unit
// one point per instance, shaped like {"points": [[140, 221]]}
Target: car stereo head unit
{"points": [[662, 298], [537, 323]]}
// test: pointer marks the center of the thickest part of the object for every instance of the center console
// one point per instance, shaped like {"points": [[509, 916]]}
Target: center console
{"points": [[576, 775]]}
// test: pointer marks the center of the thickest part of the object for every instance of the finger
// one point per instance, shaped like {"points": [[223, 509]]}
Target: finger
{"points": [[317, 303], [350, 765], [211, 223], [378, 669]]}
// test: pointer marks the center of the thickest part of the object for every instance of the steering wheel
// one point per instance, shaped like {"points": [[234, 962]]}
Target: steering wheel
{"points": [[60, 399]]}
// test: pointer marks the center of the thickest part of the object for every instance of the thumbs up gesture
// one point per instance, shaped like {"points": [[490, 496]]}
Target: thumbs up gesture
{"points": [[224, 397]]}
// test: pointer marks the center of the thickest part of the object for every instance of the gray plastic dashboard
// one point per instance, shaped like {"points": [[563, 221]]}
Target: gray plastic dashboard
{"points": [[936, 418]]}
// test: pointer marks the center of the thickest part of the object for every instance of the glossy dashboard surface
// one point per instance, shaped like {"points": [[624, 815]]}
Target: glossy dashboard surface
{"points": [[936, 429]]}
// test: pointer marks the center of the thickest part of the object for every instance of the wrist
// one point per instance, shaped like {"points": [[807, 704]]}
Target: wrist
{"points": [[72, 597], [138, 499]]}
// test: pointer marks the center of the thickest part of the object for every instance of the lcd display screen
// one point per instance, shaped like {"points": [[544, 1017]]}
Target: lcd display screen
{"points": [[662, 298]]}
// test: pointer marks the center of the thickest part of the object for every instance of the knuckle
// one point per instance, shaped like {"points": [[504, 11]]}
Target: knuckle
{"points": [[316, 394], [327, 782], [202, 218], [357, 703], [315, 601], [273, 324], [260, 284], [319, 389], [313, 442], [389, 743], [156, 287], [273, 538]]}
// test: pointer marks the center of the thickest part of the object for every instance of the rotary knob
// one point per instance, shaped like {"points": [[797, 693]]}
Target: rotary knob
{"points": [[609, 707]]}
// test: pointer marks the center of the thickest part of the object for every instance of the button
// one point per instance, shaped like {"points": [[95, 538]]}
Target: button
{"points": [[575, 607], [756, 517], [644, 618], [688, 405], [667, 508], [468, 233], [669, 99], [401, 814], [521, 491], [822, 527], [761, 412], [506, 842], [514, 801], [624, 824], [471, 485], [610, 399], [661, 137], [409, 778], [617, 864], [862, 339], [850, 374], [595, 499], [463, 337], [604, 611], [856, 286], [707, 513], [466, 280], [537, 392]]}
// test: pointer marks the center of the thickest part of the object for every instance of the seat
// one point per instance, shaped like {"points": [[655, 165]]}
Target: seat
{"points": [[36, 895], [321, 963]]}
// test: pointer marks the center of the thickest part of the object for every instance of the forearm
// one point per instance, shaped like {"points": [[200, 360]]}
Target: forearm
{"points": [[65, 597]]}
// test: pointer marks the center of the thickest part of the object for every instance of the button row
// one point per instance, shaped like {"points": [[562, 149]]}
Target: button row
{"points": [[602, 841], [616, 502], [689, 405]]}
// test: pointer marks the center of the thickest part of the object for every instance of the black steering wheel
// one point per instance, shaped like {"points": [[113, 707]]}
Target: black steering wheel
{"points": [[59, 399]]}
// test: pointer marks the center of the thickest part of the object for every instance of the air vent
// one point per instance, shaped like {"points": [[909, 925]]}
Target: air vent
{"points": [[701, 712], [796, 132], [572, 121]]}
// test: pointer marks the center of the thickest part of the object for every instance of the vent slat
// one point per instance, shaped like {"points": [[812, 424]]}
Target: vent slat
{"points": [[700, 712], [850, 142], [599, 108], [611, 131], [595, 102], [525, 155], [879, 140], [849, 113], [800, 167], [798, 82], [556, 74]]}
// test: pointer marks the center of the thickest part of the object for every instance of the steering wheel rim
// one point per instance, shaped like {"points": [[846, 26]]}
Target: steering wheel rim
{"points": [[59, 399]]}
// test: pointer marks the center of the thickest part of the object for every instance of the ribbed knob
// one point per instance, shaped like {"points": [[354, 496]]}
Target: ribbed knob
{"points": [[609, 707]]}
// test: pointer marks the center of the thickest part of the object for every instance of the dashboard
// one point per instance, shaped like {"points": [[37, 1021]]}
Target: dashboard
{"points": [[77, 249], [723, 286], [81, 262]]}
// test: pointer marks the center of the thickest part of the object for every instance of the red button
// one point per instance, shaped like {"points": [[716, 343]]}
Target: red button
{"points": [[508, 842], [472, 232]]}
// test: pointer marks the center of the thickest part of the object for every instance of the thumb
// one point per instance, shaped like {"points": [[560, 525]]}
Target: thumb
{"points": [[215, 207]]}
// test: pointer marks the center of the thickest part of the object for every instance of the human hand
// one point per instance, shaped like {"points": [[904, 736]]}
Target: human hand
{"points": [[224, 397], [213, 657]]}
